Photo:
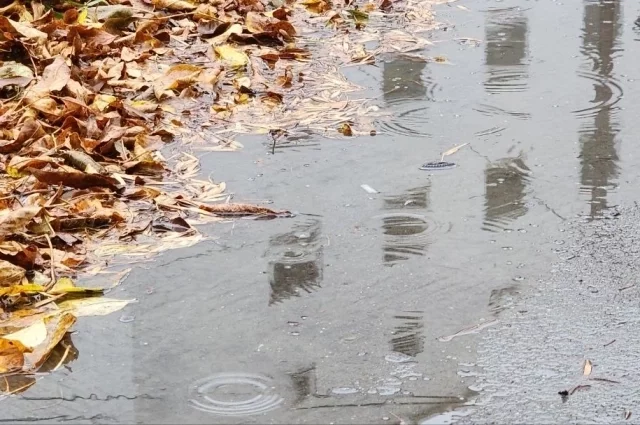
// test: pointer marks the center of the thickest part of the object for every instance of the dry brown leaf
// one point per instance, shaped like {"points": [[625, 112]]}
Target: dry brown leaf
{"points": [[177, 5], [12, 221], [56, 326], [11, 274], [11, 355], [176, 78], [77, 180], [54, 78]]}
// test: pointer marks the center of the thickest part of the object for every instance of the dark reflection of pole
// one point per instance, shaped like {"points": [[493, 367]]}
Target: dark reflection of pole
{"points": [[402, 80], [505, 183], [505, 51], [299, 263], [405, 232], [598, 151], [408, 335]]}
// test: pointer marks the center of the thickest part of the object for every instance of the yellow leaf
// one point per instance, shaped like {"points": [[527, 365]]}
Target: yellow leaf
{"points": [[11, 355], [31, 336], [56, 327], [102, 102], [82, 16], [18, 289], [92, 306], [65, 285], [232, 56]]}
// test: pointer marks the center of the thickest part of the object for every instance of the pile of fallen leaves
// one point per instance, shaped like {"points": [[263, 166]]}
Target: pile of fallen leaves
{"points": [[84, 115], [90, 95]]}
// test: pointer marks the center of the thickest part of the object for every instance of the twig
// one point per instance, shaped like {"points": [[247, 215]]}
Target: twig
{"points": [[53, 271], [64, 356]]}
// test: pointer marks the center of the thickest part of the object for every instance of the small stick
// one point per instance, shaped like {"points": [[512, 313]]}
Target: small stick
{"points": [[53, 271], [64, 356]]}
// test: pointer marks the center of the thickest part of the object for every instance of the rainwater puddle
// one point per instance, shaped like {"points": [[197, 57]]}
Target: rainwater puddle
{"points": [[368, 287], [234, 394]]}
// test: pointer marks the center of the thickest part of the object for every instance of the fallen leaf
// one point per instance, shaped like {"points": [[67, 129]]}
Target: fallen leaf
{"points": [[15, 74], [231, 56], [65, 285], [97, 306], [316, 6], [56, 327], [26, 30], [345, 129], [176, 78], [31, 336], [177, 5], [10, 274], [54, 77], [12, 221], [452, 150], [77, 180], [11, 355], [587, 368]]}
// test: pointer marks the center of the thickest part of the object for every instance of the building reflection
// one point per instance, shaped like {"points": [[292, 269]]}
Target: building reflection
{"points": [[298, 262], [505, 184], [407, 337], [598, 134], [506, 51], [402, 79], [405, 234]]}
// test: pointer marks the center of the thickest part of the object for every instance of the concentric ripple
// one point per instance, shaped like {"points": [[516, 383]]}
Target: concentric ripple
{"points": [[511, 79], [408, 119], [490, 131], [234, 394], [492, 111], [607, 92], [407, 235]]}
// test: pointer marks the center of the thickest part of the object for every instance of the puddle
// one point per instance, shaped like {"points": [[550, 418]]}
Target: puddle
{"points": [[234, 394], [298, 266], [362, 289]]}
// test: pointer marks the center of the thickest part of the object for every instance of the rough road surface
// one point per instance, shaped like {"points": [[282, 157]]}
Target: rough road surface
{"points": [[587, 309]]}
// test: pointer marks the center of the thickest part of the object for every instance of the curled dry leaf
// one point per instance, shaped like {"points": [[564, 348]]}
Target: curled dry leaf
{"points": [[176, 78], [175, 5]]}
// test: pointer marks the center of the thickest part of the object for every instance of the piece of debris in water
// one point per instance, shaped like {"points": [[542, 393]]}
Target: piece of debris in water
{"points": [[469, 330], [437, 165], [368, 188]]}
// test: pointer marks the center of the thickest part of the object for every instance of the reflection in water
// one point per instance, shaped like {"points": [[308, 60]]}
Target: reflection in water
{"points": [[506, 51], [403, 86], [416, 198], [404, 237], [407, 335], [407, 234], [63, 354], [598, 137], [505, 184], [299, 264], [501, 299], [304, 382]]}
